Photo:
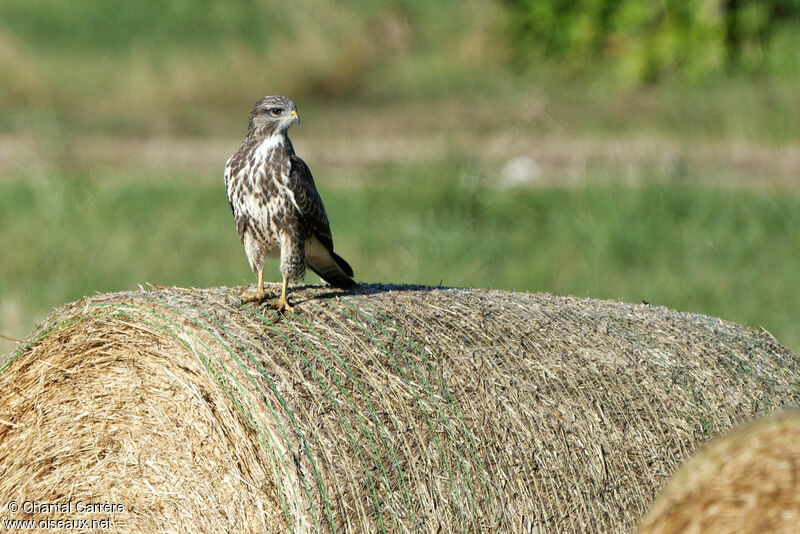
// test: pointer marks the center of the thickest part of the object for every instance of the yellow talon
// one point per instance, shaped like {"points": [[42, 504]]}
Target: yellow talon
{"points": [[259, 295], [282, 304]]}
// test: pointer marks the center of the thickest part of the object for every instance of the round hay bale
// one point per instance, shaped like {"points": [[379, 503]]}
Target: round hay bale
{"points": [[385, 409], [743, 482]]}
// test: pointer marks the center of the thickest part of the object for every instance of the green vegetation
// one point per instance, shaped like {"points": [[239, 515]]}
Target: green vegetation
{"points": [[729, 253], [647, 41]]}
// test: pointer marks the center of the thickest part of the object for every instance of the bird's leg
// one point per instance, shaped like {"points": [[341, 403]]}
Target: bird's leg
{"points": [[259, 295], [282, 304]]}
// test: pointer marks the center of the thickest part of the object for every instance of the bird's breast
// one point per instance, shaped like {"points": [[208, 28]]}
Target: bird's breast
{"points": [[259, 193]]}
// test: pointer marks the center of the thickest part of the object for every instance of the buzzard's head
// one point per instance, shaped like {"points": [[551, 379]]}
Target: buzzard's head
{"points": [[273, 115]]}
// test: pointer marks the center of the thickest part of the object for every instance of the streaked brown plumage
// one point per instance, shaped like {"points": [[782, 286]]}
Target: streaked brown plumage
{"points": [[276, 206]]}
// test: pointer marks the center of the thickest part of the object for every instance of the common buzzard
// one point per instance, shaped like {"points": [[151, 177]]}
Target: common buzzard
{"points": [[275, 203]]}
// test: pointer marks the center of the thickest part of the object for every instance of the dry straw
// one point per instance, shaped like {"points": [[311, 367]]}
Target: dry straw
{"points": [[745, 482], [398, 409]]}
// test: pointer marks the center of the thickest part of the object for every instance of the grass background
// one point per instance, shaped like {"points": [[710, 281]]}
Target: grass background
{"points": [[116, 120]]}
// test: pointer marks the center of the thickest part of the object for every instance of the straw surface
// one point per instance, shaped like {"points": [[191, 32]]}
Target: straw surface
{"points": [[398, 409]]}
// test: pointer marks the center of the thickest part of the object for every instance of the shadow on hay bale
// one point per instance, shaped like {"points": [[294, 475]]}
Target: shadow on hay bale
{"points": [[743, 482], [390, 408]]}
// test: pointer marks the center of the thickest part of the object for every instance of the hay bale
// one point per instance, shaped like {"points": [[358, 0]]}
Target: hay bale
{"points": [[743, 482], [391, 408]]}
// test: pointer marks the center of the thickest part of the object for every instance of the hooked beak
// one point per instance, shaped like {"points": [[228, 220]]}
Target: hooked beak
{"points": [[295, 116]]}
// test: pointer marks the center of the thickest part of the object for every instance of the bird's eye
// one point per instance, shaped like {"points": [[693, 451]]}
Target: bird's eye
{"points": [[276, 111]]}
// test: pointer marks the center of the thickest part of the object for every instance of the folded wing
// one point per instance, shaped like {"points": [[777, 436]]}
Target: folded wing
{"points": [[319, 247]]}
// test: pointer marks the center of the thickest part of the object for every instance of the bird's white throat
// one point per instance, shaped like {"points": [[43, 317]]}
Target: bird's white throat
{"points": [[270, 143]]}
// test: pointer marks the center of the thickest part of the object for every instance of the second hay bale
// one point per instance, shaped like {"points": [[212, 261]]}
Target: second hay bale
{"points": [[743, 482]]}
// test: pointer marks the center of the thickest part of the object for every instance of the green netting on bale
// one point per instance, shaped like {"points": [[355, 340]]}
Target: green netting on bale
{"points": [[385, 409]]}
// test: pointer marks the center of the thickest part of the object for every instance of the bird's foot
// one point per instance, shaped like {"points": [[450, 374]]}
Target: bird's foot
{"points": [[258, 296], [280, 305]]}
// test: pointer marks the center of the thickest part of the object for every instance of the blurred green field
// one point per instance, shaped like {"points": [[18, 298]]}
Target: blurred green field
{"points": [[732, 253], [174, 67]]}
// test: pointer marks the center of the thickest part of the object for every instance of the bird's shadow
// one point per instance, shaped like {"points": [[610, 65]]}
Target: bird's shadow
{"points": [[360, 290]]}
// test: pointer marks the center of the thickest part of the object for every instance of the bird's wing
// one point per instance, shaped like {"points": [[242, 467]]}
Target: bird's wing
{"points": [[321, 259], [309, 202]]}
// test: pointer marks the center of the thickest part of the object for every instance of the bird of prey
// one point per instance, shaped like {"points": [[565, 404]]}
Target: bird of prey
{"points": [[276, 206]]}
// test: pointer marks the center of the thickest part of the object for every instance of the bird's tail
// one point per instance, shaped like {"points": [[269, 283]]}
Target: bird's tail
{"points": [[329, 266]]}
